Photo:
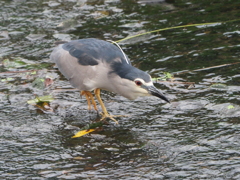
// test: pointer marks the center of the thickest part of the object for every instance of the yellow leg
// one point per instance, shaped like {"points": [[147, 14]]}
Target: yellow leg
{"points": [[105, 114], [87, 97], [97, 94], [90, 99], [93, 101]]}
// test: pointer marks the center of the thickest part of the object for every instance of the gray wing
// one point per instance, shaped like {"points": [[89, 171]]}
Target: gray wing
{"points": [[86, 54], [69, 66], [90, 51], [82, 61]]}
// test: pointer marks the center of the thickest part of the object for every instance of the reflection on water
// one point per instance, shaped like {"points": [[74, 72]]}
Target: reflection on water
{"points": [[194, 137]]}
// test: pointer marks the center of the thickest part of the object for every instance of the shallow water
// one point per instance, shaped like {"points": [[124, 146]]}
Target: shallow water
{"points": [[194, 137]]}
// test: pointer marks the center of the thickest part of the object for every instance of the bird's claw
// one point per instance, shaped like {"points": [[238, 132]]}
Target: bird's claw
{"points": [[108, 116]]}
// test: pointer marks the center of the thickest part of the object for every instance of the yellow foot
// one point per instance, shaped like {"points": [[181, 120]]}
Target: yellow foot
{"points": [[108, 116], [105, 114]]}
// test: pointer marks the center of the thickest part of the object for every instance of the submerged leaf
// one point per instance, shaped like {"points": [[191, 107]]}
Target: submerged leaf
{"points": [[33, 72], [14, 63], [7, 79], [219, 86], [100, 14], [38, 83], [83, 132], [93, 125]]}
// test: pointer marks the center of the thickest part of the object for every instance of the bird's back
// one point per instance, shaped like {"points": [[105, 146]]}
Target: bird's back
{"points": [[83, 61], [90, 51]]}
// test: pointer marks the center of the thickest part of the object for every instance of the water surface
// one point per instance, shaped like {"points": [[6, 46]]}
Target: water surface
{"points": [[194, 137]]}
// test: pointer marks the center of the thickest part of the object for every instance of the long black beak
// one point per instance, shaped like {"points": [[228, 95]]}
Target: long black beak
{"points": [[155, 92]]}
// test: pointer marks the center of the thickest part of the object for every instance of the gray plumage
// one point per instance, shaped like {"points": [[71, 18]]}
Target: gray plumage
{"points": [[91, 63]]}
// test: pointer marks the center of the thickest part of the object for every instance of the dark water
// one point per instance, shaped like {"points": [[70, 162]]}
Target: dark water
{"points": [[194, 137]]}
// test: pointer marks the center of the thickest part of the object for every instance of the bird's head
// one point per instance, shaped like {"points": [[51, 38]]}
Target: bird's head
{"points": [[143, 88], [133, 82]]}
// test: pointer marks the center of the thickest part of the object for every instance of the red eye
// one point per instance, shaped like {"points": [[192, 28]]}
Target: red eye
{"points": [[138, 83]]}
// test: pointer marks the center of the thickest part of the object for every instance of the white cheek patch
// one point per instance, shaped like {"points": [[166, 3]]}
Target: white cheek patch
{"points": [[143, 82], [149, 83]]}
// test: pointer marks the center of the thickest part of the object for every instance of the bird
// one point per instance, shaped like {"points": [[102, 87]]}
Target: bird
{"points": [[92, 64]]}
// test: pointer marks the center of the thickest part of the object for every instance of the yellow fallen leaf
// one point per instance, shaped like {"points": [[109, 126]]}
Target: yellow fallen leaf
{"points": [[83, 132]]}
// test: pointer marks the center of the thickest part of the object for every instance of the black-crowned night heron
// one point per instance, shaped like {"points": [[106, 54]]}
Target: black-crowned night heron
{"points": [[92, 64]]}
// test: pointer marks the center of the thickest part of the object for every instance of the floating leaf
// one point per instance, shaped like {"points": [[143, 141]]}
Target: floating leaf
{"points": [[166, 77], [32, 101], [40, 99], [230, 107], [89, 128], [42, 103], [83, 132], [47, 98]]}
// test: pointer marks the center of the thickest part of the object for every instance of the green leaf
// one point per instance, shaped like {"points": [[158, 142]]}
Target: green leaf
{"points": [[47, 98], [230, 107], [155, 79], [34, 72], [40, 99], [168, 75], [165, 77]]}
